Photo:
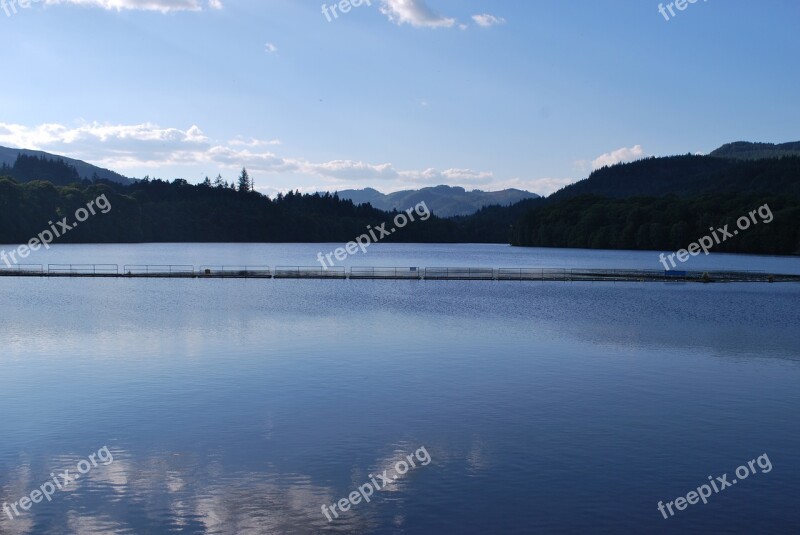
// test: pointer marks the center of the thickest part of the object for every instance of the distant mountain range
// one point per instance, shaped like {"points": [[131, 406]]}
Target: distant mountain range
{"points": [[444, 201], [85, 170]]}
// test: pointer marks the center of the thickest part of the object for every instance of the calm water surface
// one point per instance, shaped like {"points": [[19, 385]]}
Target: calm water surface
{"points": [[243, 406]]}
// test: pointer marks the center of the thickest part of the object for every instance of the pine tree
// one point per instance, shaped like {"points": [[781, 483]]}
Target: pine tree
{"points": [[244, 181]]}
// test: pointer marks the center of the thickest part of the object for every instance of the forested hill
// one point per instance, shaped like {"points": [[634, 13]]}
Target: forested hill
{"points": [[744, 150], [688, 176], [10, 157], [29, 168], [667, 203]]}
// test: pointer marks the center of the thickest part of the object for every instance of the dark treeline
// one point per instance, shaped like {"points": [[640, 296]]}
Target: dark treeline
{"points": [[180, 212], [661, 223], [161, 211]]}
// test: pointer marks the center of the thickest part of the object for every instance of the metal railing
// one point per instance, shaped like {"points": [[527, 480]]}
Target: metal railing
{"points": [[83, 269], [520, 274], [300, 272], [158, 271], [385, 273], [440, 273], [239, 272]]}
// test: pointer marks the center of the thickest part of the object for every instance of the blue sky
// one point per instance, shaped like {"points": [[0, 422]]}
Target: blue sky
{"points": [[394, 95]]}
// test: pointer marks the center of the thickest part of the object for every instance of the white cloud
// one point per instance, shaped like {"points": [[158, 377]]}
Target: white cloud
{"points": [[123, 147], [164, 6], [352, 170], [386, 172], [541, 186], [102, 137], [580, 166], [270, 48], [149, 149], [618, 156], [253, 143], [149, 146], [449, 176], [486, 20], [416, 13]]}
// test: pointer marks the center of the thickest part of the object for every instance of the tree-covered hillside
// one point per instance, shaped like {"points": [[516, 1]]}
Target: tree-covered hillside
{"points": [[744, 150], [667, 203], [688, 176]]}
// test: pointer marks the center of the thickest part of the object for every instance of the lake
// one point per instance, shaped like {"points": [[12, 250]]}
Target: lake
{"points": [[245, 406]]}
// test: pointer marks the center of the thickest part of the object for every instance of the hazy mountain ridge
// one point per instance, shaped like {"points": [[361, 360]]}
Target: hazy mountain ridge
{"points": [[444, 201], [86, 170]]}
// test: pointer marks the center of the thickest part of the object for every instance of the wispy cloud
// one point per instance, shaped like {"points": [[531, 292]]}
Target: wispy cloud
{"points": [[542, 186], [270, 48], [153, 148], [624, 154], [358, 170], [416, 13], [486, 20], [149, 146], [164, 6]]}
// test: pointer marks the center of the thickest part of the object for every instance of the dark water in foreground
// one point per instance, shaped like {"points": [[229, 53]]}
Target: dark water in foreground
{"points": [[235, 406]]}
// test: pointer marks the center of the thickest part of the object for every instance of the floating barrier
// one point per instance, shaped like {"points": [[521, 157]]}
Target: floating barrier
{"points": [[388, 273]]}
